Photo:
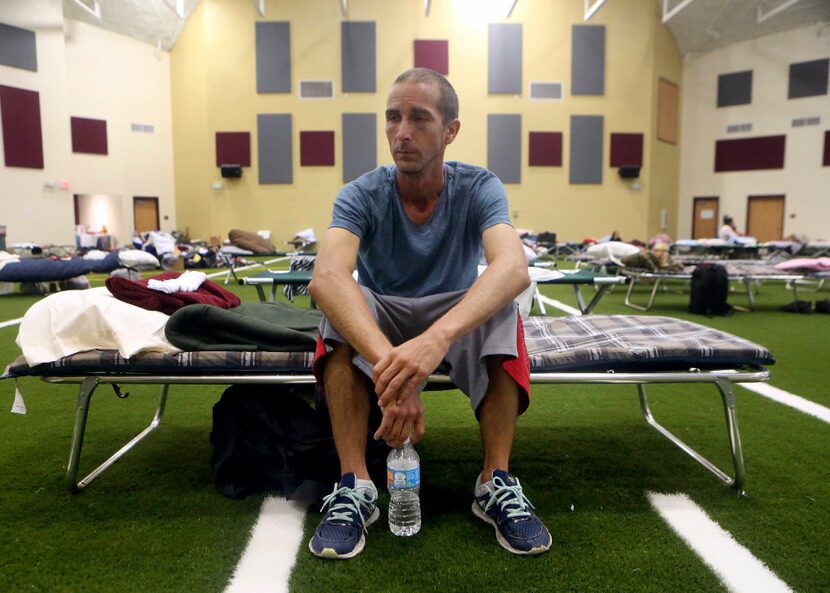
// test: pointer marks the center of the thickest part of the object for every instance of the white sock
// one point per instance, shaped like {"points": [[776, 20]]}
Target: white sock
{"points": [[481, 487], [368, 487]]}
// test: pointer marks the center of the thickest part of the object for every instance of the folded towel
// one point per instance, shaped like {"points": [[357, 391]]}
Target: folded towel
{"points": [[137, 293], [187, 282]]}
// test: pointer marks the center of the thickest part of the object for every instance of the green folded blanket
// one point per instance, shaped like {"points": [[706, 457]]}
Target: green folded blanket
{"points": [[273, 327]]}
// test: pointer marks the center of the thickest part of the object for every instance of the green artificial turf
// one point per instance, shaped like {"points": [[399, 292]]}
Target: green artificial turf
{"points": [[155, 522]]}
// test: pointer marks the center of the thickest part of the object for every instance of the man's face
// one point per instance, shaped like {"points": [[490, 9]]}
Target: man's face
{"points": [[414, 127]]}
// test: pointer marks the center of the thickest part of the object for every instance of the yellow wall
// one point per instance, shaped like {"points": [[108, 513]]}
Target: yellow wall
{"points": [[663, 159], [214, 89]]}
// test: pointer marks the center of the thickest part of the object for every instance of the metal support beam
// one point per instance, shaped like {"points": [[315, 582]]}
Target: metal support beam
{"points": [[667, 14], [590, 10], [512, 6], [762, 16], [260, 7], [427, 4], [344, 7], [94, 11]]}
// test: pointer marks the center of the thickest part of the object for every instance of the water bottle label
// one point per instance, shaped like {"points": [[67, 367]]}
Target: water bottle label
{"points": [[402, 479]]}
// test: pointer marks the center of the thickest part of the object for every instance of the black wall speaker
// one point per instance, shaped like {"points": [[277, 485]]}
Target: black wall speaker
{"points": [[231, 170], [629, 171]]}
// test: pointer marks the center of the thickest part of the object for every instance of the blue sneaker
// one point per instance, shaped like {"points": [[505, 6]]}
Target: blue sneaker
{"points": [[348, 512], [502, 504]]}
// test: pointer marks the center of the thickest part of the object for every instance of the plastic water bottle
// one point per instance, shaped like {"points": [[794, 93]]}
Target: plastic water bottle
{"points": [[403, 480]]}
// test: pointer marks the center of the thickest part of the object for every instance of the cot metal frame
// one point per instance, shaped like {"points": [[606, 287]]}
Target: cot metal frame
{"points": [[751, 282], [722, 380]]}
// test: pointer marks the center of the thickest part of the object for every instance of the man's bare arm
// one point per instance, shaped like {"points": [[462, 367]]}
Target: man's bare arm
{"points": [[338, 296], [398, 375]]}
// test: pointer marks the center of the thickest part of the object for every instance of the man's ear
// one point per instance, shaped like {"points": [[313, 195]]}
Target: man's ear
{"points": [[451, 131]]}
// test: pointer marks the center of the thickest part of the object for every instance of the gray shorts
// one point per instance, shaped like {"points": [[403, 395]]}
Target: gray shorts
{"points": [[401, 319]]}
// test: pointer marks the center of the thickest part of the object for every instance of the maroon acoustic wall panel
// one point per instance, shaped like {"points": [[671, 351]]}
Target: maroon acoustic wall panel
{"points": [[316, 149], [545, 149], [626, 149], [89, 135], [233, 148], [827, 148], [432, 53], [750, 154], [22, 138]]}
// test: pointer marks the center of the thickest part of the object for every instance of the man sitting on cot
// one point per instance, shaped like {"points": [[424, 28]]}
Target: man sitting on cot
{"points": [[416, 231]]}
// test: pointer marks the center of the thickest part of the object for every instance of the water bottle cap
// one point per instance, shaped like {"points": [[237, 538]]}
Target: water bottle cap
{"points": [[407, 441]]}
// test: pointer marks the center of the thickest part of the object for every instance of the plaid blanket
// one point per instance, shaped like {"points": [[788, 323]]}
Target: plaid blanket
{"points": [[634, 343]]}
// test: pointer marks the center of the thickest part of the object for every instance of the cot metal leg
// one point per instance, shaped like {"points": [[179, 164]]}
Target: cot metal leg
{"points": [[728, 397], [589, 308], [657, 282], [88, 386], [537, 296]]}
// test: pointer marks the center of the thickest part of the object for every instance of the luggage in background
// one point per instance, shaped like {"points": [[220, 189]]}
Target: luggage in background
{"points": [[710, 288]]}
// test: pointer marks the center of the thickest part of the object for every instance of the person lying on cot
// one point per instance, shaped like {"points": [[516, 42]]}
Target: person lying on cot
{"points": [[415, 231]]}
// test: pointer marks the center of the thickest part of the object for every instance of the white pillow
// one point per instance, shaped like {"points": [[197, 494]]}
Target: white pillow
{"points": [[134, 258], [612, 250]]}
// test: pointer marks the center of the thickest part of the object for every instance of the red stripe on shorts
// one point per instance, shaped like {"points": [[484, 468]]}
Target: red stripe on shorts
{"points": [[519, 368]]}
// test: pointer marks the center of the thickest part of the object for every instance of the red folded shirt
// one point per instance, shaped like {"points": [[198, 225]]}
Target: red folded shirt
{"points": [[136, 293]]}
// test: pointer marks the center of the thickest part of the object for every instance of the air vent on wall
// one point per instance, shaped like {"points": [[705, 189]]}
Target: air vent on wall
{"points": [[316, 89], [738, 128], [142, 128], [812, 121], [545, 91]]}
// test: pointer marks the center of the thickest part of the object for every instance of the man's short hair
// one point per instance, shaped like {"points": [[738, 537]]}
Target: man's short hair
{"points": [[448, 102]]}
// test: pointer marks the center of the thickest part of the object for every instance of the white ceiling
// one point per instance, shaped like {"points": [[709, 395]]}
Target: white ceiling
{"points": [[701, 26], [154, 21], [704, 25]]}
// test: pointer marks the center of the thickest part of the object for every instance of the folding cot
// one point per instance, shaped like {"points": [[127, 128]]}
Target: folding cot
{"points": [[617, 349], [601, 282], [51, 271], [751, 273]]}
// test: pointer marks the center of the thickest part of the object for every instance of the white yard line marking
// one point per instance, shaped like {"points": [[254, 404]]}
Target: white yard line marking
{"points": [[559, 305], [266, 564], [740, 571], [788, 399], [10, 322]]}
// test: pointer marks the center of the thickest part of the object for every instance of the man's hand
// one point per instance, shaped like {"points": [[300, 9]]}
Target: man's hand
{"points": [[401, 422], [400, 373]]}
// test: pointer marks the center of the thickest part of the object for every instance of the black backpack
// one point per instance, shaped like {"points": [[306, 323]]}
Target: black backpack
{"points": [[278, 438], [710, 287]]}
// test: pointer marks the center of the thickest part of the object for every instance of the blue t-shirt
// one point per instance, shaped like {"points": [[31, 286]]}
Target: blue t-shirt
{"points": [[398, 257]]}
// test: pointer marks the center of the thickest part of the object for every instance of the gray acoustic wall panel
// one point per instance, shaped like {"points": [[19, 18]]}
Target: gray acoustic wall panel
{"points": [[545, 91], [735, 89], [504, 146], [588, 60], [357, 57], [586, 149], [360, 144], [808, 79], [504, 59], [18, 48], [273, 57], [274, 148]]}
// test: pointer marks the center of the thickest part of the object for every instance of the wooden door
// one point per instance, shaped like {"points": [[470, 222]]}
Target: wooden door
{"points": [[765, 218], [146, 214], [705, 218]]}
